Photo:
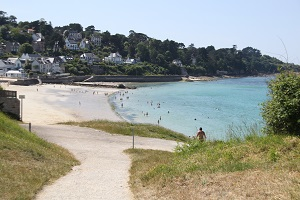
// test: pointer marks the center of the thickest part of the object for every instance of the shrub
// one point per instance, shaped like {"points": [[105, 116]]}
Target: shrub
{"points": [[282, 111]]}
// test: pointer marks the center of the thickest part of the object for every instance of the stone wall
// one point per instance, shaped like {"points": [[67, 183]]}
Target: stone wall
{"points": [[71, 79], [135, 78], [10, 105]]}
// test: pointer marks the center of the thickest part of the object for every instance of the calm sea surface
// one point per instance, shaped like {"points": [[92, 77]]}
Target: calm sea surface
{"points": [[185, 106]]}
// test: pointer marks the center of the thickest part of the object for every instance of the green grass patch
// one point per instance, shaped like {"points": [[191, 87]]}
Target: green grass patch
{"points": [[125, 128], [164, 172], [28, 162]]}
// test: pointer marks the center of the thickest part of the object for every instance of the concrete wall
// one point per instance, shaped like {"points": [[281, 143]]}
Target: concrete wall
{"points": [[99, 78], [11, 106], [135, 78], [25, 82]]}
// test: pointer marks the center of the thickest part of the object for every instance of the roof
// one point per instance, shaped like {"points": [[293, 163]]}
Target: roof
{"points": [[13, 60], [13, 72], [114, 55]]}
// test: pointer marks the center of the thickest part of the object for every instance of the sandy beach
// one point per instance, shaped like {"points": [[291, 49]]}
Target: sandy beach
{"points": [[103, 172], [49, 104]]}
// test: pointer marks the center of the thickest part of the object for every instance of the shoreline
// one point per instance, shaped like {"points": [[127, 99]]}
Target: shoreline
{"points": [[54, 103]]}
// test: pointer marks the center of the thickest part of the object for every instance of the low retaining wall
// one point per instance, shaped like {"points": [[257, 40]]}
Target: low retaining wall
{"points": [[71, 79], [9, 103], [135, 79], [25, 82], [99, 78]]}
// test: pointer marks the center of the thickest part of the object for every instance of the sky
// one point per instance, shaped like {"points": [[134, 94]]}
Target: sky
{"points": [[271, 26]]}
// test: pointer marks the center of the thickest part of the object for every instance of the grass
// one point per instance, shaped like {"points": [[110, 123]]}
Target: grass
{"points": [[28, 162], [253, 166], [256, 167], [125, 128]]}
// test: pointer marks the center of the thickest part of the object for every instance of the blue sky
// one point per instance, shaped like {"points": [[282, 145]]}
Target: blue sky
{"points": [[267, 25]]}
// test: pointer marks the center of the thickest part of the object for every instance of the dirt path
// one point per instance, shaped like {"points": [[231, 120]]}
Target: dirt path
{"points": [[103, 173]]}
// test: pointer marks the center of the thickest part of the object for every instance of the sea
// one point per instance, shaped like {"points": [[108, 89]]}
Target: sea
{"points": [[217, 106]]}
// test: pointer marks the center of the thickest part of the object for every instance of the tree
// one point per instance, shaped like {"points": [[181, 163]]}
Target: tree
{"points": [[142, 52], [282, 111], [55, 38], [4, 32], [89, 30], [76, 27], [12, 19], [26, 48], [105, 38], [3, 18], [17, 35]]}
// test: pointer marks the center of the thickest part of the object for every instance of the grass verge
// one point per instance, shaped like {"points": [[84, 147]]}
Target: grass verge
{"points": [[257, 167], [28, 162], [125, 128]]}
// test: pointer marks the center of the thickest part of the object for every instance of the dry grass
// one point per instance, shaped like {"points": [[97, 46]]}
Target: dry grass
{"points": [[28, 162], [265, 167]]}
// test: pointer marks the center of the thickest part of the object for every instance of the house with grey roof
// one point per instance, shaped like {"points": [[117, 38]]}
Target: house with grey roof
{"points": [[90, 58], [71, 44], [16, 62], [74, 35], [12, 46], [48, 65], [84, 44], [114, 58], [95, 40], [30, 57], [7, 65]]}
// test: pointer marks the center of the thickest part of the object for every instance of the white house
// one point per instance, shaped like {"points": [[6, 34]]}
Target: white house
{"points": [[5, 66], [114, 58], [84, 44], [71, 44], [57, 65], [15, 74], [90, 58], [48, 65], [35, 66], [16, 61], [130, 61], [96, 40], [37, 37], [74, 35], [177, 62], [30, 57]]}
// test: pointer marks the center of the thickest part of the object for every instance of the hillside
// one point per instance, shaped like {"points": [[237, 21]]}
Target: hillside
{"points": [[259, 167], [28, 162], [137, 53]]}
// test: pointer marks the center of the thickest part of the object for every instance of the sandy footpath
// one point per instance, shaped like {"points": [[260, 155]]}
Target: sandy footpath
{"points": [[103, 173]]}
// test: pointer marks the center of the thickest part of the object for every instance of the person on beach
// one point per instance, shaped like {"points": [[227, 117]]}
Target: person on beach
{"points": [[201, 135]]}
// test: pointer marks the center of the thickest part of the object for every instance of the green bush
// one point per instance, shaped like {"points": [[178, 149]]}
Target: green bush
{"points": [[282, 111]]}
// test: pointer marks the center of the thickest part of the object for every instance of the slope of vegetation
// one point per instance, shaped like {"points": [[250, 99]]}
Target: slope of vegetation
{"points": [[125, 128], [259, 167], [28, 162]]}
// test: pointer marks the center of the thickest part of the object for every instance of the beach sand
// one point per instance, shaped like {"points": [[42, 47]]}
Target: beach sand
{"points": [[104, 169], [49, 104]]}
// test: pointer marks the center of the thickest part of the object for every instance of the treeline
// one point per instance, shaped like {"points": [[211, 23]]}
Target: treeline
{"points": [[156, 56]]}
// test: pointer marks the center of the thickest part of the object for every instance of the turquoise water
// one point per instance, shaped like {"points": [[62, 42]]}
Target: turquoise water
{"points": [[186, 106]]}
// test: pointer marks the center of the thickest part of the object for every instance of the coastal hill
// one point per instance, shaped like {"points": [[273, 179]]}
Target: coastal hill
{"points": [[91, 51]]}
